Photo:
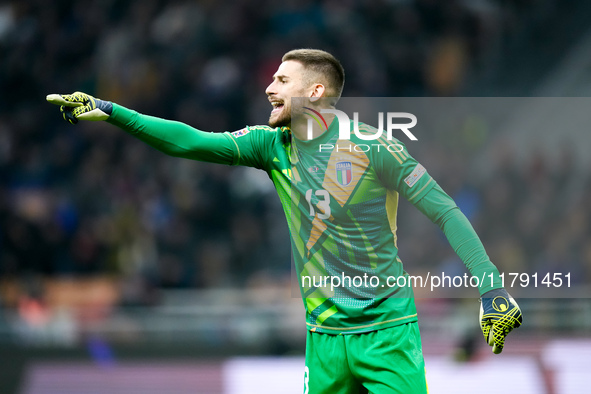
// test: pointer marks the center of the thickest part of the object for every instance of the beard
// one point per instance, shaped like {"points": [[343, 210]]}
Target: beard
{"points": [[282, 119]]}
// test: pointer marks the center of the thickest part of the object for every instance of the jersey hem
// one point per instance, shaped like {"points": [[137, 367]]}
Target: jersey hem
{"points": [[362, 328]]}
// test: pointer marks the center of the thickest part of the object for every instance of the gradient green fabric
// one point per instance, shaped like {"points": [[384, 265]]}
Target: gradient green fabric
{"points": [[341, 207]]}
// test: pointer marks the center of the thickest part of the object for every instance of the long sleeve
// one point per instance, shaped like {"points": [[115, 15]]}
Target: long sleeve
{"points": [[442, 210], [175, 138]]}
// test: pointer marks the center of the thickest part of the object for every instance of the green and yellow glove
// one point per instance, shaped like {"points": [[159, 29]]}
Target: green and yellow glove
{"points": [[80, 105], [499, 314]]}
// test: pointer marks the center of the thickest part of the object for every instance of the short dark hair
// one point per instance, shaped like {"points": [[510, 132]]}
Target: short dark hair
{"points": [[322, 63]]}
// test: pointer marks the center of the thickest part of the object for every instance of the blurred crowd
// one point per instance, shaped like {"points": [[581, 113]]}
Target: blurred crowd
{"points": [[89, 199]]}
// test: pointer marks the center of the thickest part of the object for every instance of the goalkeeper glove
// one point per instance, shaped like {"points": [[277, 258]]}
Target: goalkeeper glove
{"points": [[499, 314], [80, 105]]}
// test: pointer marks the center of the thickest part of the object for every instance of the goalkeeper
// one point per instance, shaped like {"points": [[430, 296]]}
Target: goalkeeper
{"points": [[341, 210]]}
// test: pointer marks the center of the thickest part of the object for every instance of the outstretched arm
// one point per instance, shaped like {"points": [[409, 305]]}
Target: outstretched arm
{"points": [[171, 137], [174, 138]]}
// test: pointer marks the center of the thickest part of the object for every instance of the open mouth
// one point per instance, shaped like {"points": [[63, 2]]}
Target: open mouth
{"points": [[277, 106]]}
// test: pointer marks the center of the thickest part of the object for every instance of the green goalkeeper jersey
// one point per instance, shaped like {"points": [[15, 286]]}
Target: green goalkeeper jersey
{"points": [[340, 199]]}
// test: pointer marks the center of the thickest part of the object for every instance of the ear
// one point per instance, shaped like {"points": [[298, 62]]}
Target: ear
{"points": [[317, 91]]}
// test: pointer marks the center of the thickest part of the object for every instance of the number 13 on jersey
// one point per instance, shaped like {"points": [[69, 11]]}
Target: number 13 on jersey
{"points": [[322, 209]]}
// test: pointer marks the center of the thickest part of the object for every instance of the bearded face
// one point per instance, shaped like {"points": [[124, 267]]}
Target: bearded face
{"points": [[288, 82]]}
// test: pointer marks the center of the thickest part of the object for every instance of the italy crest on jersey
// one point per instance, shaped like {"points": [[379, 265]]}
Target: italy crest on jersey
{"points": [[344, 172]]}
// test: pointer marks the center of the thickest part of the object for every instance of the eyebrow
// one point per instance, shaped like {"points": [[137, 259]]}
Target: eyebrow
{"points": [[280, 76]]}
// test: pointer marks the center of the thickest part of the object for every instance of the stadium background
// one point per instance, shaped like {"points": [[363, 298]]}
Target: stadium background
{"points": [[122, 269]]}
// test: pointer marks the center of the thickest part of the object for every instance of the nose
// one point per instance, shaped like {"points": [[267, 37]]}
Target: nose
{"points": [[271, 89]]}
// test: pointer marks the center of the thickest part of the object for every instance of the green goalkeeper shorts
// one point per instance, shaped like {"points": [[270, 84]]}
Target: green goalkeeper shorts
{"points": [[382, 361]]}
